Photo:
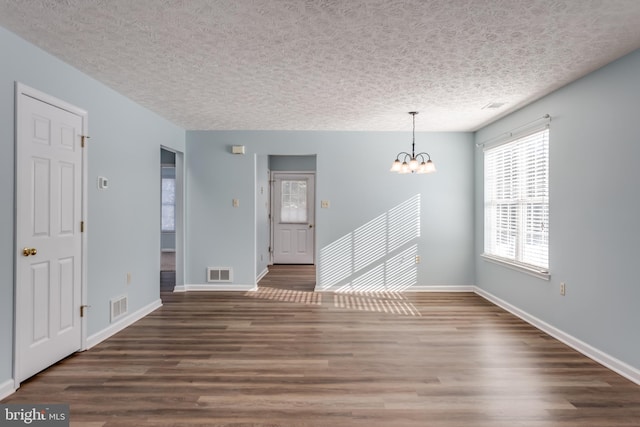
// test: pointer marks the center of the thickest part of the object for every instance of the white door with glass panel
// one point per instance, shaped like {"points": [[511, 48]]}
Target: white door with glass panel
{"points": [[48, 226], [293, 218]]}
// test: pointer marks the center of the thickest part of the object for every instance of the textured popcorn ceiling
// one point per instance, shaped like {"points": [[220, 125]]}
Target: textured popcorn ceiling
{"points": [[332, 64]]}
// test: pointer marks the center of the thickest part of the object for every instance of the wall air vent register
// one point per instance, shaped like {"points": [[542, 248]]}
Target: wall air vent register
{"points": [[219, 274]]}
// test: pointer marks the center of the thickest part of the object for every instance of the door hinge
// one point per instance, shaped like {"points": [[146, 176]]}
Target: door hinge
{"points": [[82, 226], [83, 139], [269, 249], [83, 309]]}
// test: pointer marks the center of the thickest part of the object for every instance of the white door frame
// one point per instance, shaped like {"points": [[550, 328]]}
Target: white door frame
{"points": [[20, 90], [274, 204]]}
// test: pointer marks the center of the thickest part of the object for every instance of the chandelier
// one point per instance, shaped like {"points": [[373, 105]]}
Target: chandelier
{"points": [[413, 163]]}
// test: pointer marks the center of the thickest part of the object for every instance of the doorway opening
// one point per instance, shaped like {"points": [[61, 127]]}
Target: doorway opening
{"points": [[171, 188], [291, 223]]}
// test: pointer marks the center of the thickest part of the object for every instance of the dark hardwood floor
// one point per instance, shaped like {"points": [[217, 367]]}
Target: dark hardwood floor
{"points": [[290, 277], [289, 357]]}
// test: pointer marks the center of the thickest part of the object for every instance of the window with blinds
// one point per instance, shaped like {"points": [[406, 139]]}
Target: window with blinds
{"points": [[516, 201]]}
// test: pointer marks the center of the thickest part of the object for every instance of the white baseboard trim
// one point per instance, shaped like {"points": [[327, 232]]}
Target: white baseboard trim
{"points": [[7, 388], [261, 275], [610, 362], [215, 287], [441, 289], [114, 328]]}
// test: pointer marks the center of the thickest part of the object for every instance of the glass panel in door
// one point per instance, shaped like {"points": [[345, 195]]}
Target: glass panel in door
{"points": [[293, 203]]}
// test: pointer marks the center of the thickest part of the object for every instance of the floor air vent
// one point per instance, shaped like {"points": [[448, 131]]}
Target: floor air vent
{"points": [[118, 308], [219, 274]]}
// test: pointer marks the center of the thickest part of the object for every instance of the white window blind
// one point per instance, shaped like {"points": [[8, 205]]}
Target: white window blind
{"points": [[516, 201]]}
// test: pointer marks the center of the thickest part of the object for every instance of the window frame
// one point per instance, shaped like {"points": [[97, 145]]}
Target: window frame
{"points": [[520, 199]]}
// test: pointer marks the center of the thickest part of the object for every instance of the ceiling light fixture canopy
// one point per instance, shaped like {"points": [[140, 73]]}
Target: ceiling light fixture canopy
{"points": [[413, 163]]}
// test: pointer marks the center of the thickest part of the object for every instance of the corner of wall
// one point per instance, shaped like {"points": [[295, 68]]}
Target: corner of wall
{"points": [[113, 329], [599, 356]]}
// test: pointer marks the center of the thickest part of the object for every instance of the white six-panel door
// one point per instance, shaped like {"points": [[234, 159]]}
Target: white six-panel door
{"points": [[48, 236], [293, 218]]}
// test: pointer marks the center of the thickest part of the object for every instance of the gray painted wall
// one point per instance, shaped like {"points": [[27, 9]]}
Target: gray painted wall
{"points": [[220, 235], [594, 211], [292, 163], [123, 221], [167, 157]]}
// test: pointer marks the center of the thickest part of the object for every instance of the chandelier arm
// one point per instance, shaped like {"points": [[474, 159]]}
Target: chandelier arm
{"points": [[422, 156], [405, 154]]}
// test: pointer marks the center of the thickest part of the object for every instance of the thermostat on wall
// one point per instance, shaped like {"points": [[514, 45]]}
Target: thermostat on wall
{"points": [[103, 182]]}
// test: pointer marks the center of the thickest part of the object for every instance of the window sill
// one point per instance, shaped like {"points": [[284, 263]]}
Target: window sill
{"points": [[532, 271]]}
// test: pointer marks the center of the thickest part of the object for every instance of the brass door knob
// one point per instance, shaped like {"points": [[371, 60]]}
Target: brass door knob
{"points": [[29, 251]]}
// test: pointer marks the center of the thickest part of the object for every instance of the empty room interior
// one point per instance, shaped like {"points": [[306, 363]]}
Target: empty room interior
{"points": [[314, 212]]}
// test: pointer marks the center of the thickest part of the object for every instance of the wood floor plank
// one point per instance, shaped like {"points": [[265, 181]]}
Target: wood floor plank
{"points": [[287, 356]]}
